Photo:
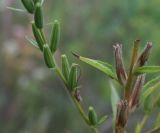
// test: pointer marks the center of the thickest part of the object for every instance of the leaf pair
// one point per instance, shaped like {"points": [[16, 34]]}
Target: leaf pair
{"points": [[70, 73]]}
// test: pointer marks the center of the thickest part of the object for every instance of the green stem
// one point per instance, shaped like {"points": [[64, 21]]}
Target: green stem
{"points": [[78, 105], [95, 130], [80, 109], [141, 124], [154, 130]]}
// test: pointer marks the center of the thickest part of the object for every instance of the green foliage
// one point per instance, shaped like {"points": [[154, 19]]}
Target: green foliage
{"points": [[114, 101], [102, 66], [149, 91], [143, 22], [147, 69]]}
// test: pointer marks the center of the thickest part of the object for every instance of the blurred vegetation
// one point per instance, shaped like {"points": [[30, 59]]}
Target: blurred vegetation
{"points": [[32, 99]]}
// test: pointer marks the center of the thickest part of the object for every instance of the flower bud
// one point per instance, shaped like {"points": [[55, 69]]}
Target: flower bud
{"points": [[37, 36], [72, 81], [92, 116], [38, 16], [121, 74], [144, 55], [122, 114], [65, 67], [55, 36], [48, 57], [134, 99], [29, 5]]}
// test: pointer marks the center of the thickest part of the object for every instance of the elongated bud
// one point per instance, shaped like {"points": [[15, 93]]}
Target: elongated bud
{"points": [[55, 36], [38, 16], [144, 55], [72, 81], [37, 36], [29, 5], [121, 74], [122, 114], [65, 67], [135, 96], [92, 116], [48, 57]]}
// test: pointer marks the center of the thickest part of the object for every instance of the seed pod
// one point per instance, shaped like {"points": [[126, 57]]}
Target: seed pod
{"points": [[48, 57], [92, 116], [37, 36], [29, 5], [65, 67], [55, 36], [72, 81], [38, 16]]}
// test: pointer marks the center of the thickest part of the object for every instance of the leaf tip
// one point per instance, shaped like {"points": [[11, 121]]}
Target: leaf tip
{"points": [[76, 55]]}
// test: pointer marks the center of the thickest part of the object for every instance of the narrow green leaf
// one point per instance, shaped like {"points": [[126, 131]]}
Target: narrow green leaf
{"points": [[149, 91], [103, 119], [32, 41], [105, 64], [148, 105], [114, 100], [147, 69], [16, 9], [102, 66], [150, 83], [55, 36]]}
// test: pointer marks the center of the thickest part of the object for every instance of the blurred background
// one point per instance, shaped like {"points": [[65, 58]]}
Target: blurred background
{"points": [[32, 98]]}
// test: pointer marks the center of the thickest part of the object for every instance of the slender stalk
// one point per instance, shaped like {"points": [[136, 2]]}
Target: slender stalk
{"points": [[119, 130], [130, 75], [78, 105], [80, 109], [95, 130], [154, 130], [141, 124]]}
